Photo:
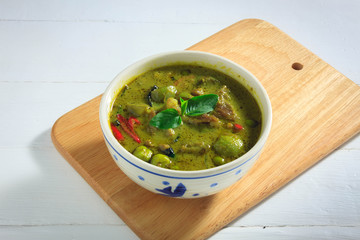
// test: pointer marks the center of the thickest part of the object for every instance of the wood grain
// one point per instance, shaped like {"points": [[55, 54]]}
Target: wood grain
{"points": [[315, 110]]}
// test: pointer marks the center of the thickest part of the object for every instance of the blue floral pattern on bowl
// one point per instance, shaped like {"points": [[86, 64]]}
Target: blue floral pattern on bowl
{"points": [[179, 191]]}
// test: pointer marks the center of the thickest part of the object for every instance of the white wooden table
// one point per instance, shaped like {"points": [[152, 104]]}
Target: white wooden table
{"points": [[56, 55]]}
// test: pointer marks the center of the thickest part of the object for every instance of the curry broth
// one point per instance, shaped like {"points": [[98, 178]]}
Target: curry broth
{"points": [[200, 137]]}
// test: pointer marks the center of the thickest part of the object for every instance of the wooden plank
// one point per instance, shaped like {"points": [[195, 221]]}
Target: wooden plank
{"points": [[315, 110]]}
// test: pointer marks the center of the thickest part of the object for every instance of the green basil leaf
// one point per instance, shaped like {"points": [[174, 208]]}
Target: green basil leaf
{"points": [[201, 104], [166, 119], [183, 105]]}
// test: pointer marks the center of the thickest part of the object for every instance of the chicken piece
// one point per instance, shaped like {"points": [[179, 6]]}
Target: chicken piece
{"points": [[195, 148], [197, 92], [225, 111], [163, 146], [149, 143], [203, 119], [223, 108], [170, 132], [173, 103]]}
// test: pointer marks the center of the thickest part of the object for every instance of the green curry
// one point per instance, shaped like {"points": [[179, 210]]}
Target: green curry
{"points": [[186, 117]]}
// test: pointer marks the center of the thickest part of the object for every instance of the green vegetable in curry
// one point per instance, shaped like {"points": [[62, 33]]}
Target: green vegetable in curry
{"points": [[161, 160], [186, 117], [143, 153], [228, 146]]}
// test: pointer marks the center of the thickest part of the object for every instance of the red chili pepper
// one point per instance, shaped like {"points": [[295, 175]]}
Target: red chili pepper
{"points": [[125, 125], [132, 121], [238, 127], [117, 133]]}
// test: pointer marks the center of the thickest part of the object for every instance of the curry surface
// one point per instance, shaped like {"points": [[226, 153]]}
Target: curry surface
{"points": [[186, 78]]}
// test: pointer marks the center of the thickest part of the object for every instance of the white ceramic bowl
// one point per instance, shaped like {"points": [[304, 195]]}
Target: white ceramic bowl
{"points": [[174, 183]]}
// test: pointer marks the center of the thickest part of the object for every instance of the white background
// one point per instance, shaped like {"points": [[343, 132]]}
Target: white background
{"points": [[56, 55]]}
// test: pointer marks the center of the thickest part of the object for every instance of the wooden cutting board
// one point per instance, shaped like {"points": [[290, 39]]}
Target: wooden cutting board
{"points": [[315, 110]]}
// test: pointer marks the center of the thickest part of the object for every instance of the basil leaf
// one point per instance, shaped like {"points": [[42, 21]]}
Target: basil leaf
{"points": [[183, 105], [166, 119], [201, 104]]}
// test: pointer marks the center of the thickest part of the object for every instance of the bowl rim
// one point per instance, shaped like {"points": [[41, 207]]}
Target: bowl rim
{"points": [[184, 174]]}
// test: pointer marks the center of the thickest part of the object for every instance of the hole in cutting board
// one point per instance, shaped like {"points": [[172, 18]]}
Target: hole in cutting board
{"points": [[297, 66]]}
